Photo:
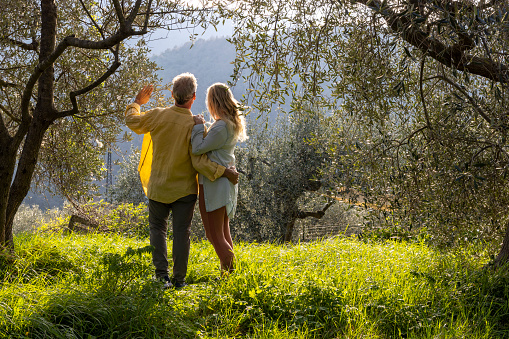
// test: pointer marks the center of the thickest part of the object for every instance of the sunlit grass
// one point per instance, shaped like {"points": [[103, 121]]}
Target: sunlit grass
{"points": [[76, 286]]}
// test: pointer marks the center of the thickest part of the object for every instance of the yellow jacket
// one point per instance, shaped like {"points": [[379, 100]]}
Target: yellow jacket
{"points": [[168, 170]]}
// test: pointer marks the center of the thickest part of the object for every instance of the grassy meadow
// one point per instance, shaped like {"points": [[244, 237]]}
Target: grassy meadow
{"points": [[101, 286]]}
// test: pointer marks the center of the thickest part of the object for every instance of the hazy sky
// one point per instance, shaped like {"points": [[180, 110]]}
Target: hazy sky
{"points": [[162, 40]]}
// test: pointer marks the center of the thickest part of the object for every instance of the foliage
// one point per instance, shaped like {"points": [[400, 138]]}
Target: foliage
{"points": [[101, 285], [30, 218], [419, 91], [127, 186], [279, 166], [125, 219], [280, 42], [67, 75], [448, 179]]}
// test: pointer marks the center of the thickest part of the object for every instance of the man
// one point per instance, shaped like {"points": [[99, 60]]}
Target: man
{"points": [[173, 177]]}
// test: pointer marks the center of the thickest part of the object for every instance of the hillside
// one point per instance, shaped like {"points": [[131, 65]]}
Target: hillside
{"points": [[209, 60]]}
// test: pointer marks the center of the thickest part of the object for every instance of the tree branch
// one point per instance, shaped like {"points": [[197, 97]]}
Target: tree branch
{"points": [[134, 12], [99, 29], [4, 133], [9, 114], [479, 110], [412, 135], [147, 16], [317, 214], [7, 84], [176, 11], [480, 151], [27, 92], [61, 47], [450, 56], [33, 46], [107, 43], [426, 115], [317, 47], [92, 19], [72, 96], [462, 5], [12, 68], [120, 14], [71, 40]]}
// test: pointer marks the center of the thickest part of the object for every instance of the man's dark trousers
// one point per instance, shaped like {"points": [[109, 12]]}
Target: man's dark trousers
{"points": [[183, 210]]}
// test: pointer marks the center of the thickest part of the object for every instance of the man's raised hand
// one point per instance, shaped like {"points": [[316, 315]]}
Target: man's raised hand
{"points": [[144, 95]]}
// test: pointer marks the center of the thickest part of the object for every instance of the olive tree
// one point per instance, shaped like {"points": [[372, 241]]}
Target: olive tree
{"points": [[66, 76], [282, 168], [425, 83], [127, 187]]}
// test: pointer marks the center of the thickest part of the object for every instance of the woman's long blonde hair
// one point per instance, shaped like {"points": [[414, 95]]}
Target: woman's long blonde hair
{"points": [[222, 105]]}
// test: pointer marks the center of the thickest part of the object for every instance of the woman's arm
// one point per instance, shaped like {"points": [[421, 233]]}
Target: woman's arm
{"points": [[215, 139]]}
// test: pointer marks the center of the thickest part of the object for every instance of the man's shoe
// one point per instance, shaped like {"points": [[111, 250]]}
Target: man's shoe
{"points": [[167, 282], [179, 285]]}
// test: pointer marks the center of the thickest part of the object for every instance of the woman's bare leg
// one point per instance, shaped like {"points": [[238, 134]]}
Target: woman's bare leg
{"points": [[226, 230], [204, 215], [228, 237], [217, 230], [216, 221]]}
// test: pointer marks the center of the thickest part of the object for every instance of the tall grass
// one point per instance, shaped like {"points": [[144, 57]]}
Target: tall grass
{"points": [[101, 286]]}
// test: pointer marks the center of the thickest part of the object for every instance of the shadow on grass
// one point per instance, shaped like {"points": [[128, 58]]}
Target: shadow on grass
{"points": [[137, 313], [117, 300], [477, 301], [29, 263]]}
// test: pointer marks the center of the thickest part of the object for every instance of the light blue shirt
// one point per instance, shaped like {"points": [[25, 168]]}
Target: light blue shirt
{"points": [[219, 144]]}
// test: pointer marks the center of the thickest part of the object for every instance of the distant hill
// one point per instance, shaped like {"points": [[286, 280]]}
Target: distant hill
{"points": [[162, 39], [209, 60]]}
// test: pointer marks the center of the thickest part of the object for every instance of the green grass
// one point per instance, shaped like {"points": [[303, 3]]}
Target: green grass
{"points": [[101, 286]]}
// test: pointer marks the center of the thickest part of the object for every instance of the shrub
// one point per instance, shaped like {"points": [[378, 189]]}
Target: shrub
{"points": [[125, 219], [127, 187], [31, 218], [128, 219]]}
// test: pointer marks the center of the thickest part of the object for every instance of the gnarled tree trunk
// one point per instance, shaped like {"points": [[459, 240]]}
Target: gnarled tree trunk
{"points": [[31, 130], [7, 164], [503, 255]]}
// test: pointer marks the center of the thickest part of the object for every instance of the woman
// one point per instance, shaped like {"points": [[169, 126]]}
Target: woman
{"points": [[218, 199]]}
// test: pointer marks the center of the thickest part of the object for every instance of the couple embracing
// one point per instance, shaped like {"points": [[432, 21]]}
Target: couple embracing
{"points": [[182, 147]]}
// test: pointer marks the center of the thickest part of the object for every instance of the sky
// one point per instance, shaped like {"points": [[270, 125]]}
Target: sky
{"points": [[162, 40]]}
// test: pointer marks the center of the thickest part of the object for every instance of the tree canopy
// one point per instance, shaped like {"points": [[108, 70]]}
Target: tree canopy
{"points": [[67, 74], [419, 89]]}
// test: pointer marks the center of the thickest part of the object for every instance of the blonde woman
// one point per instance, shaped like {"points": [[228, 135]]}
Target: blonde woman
{"points": [[218, 199]]}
